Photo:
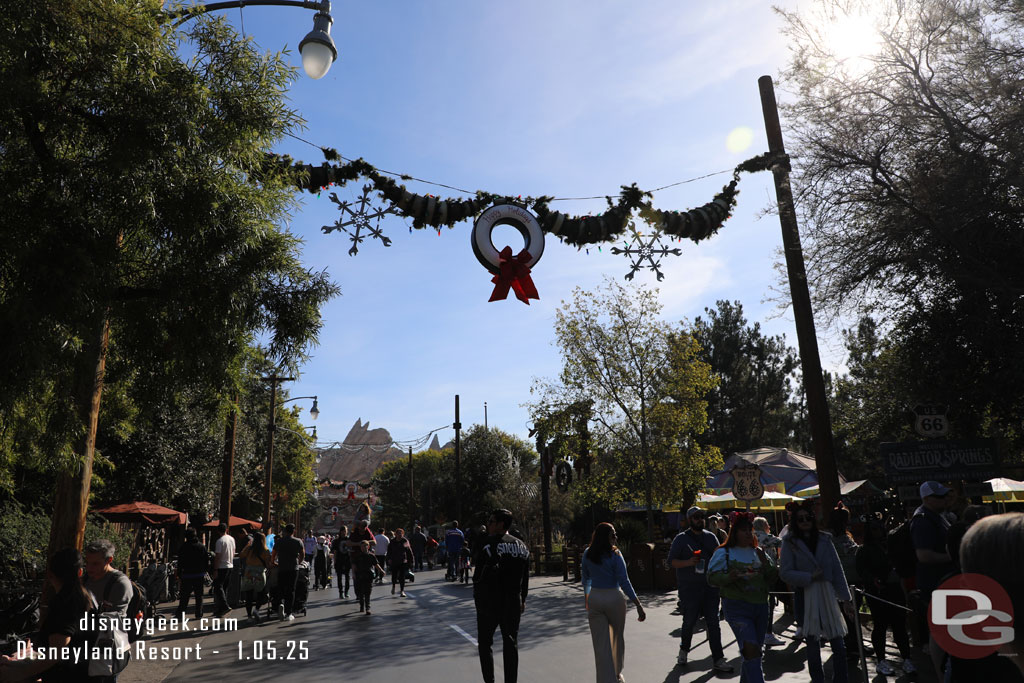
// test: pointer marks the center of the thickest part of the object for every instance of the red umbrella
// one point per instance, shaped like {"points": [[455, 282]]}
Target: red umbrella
{"points": [[235, 523], [141, 511]]}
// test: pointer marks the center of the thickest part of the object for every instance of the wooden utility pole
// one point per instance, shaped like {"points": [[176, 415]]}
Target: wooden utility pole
{"points": [[412, 497], [227, 471], [458, 465], [271, 428], [810, 361], [545, 494]]}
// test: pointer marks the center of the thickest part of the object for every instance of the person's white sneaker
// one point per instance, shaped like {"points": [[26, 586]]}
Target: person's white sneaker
{"points": [[403, 594], [291, 617], [721, 664], [884, 668], [772, 640], [908, 667]]}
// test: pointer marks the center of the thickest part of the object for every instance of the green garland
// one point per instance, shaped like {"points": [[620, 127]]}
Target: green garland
{"points": [[340, 485], [427, 210]]}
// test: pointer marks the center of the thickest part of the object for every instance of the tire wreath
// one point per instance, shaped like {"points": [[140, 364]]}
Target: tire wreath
{"points": [[563, 476]]}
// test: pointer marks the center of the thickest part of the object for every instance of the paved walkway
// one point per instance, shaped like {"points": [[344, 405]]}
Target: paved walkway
{"points": [[430, 636]]}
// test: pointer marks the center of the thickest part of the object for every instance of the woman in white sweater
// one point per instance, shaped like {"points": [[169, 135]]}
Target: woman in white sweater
{"points": [[809, 560]]}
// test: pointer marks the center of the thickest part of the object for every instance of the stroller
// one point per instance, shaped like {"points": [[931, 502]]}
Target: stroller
{"points": [[154, 579], [301, 590]]}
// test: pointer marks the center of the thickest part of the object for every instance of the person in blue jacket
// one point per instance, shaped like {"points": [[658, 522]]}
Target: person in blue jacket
{"points": [[604, 573], [689, 555]]}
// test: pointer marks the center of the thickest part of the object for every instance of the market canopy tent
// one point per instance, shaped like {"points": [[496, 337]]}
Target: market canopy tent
{"points": [[860, 488], [234, 523], [794, 470], [770, 501], [1005, 491], [141, 511]]}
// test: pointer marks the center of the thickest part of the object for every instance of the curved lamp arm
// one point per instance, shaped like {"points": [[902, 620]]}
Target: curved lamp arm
{"points": [[317, 48]]}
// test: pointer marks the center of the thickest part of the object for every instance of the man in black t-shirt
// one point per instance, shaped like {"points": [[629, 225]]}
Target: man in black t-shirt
{"points": [[342, 562], [500, 584], [288, 552]]}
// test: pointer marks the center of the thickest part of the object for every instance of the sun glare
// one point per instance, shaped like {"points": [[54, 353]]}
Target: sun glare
{"points": [[739, 139], [853, 39]]}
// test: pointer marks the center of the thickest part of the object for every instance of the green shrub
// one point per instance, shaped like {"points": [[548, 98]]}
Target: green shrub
{"points": [[24, 535]]}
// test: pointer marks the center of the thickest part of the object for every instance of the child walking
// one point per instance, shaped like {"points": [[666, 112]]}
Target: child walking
{"points": [[365, 568]]}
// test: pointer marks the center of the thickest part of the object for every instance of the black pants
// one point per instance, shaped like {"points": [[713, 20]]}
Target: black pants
{"points": [[502, 614], [286, 585], [220, 598], [884, 617], [253, 600], [418, 556], [398, 575], [320, 573], [188, 587], [342, 570]]}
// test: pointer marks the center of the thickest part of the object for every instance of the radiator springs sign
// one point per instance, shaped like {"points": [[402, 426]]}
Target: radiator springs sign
{"points": [[917, 461]]}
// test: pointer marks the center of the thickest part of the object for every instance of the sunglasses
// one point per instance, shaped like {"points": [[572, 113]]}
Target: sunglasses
{"points": [[697, 517]]}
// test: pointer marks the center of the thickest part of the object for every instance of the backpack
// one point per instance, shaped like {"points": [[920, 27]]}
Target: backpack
{"points": [[901, 551], [139, 609]]}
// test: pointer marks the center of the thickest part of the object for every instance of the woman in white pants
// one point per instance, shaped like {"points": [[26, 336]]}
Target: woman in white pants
{"points": [[604, 574]]}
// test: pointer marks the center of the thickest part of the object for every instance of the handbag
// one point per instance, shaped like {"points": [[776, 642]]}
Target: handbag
{"points": [[409, 576], [822, 617], [111, 641], [254, 578]]}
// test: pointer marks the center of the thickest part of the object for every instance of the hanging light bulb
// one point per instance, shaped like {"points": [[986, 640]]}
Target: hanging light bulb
{"points": [[317, 48]]}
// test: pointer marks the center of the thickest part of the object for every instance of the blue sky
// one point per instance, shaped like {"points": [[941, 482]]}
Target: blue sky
{"points": [[565, 98]]}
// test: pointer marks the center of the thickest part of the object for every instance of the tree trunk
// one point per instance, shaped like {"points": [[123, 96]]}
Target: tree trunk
{"points": [[71, 497]]}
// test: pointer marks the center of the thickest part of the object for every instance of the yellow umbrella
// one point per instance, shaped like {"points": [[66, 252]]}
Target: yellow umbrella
{"points": [[1005, 491], [771, 500]]}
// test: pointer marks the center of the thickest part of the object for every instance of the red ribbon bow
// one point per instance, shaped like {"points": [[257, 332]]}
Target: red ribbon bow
{"points": [[513, 272]]}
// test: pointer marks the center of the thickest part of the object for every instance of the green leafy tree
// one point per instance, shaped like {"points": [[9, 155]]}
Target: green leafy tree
{"points": [[498, 470], [647, 390], [908, 172], [751, 405], [140, 219]]}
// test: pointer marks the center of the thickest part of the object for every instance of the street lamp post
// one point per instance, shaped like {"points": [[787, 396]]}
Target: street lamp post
{"points": [[314, 412], [317, 48]]}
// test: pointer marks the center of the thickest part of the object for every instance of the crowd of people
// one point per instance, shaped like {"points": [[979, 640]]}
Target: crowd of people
{"points": [[727, 567]]}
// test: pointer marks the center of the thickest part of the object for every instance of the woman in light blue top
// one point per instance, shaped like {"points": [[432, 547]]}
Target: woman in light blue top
{"points": [[604, 573]]}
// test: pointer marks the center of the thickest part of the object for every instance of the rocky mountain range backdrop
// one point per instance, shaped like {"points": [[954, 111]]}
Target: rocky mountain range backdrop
{"points": [[358, 457]]}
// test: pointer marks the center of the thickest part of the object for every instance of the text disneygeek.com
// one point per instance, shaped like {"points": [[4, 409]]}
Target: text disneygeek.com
{"points": [[99, 623]]}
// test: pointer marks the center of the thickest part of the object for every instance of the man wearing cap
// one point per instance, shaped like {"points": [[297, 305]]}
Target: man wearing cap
{"points": [[928, 532], [689, 555]]}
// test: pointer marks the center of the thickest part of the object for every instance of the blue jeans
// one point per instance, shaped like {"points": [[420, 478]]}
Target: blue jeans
{"points": [[749, 623], [839, 666], [699, 599]]}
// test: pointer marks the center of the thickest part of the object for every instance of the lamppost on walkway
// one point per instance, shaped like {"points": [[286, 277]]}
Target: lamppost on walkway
{"points": [[317, 48], [314, 412]]}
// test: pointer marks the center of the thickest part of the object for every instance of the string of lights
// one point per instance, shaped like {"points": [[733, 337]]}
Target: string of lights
{"points": [[404, 444]]}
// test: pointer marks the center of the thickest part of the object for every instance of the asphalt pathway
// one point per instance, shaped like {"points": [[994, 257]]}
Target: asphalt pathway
{"points": [[431, 636]]}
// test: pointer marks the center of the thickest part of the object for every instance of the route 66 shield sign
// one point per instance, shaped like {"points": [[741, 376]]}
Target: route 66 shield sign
{"points": [[746, 482]]}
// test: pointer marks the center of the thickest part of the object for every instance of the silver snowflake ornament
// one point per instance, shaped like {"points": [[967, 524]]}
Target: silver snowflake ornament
{"points": [[646, 250], [364, 219]]}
